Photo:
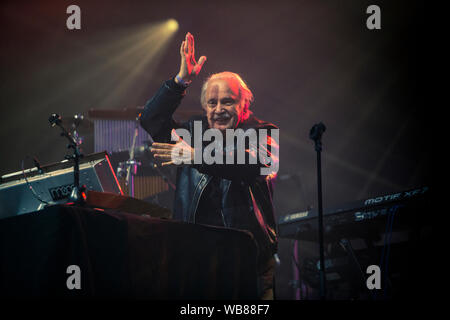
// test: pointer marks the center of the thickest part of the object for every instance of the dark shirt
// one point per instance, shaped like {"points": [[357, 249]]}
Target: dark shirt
{"points": [[209, 210]]}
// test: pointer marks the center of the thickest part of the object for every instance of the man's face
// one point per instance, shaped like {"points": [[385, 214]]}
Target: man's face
{"points": [[223, 107]]}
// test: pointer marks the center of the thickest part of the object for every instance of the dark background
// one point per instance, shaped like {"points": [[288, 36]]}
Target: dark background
{"points": [[306, 61]]}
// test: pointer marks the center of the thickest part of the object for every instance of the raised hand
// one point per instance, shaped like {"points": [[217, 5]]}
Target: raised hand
{"points": [[189, 68]]}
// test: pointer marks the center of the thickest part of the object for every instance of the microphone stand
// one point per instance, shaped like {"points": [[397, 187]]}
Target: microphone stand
{"points": [[132, 163], [316, 134], [77, 192]]}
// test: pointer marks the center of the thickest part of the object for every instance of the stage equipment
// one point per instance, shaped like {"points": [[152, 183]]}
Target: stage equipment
{"points": [[315, 134], [114, 129], [123, 256], [131, 164], [78, 123], [54, 183], [353, 219], [392, 231], [121, 203], [119, 133], [77, 195]]}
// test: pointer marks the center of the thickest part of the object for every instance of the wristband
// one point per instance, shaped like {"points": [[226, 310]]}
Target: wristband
{"points": [[181, 82]]}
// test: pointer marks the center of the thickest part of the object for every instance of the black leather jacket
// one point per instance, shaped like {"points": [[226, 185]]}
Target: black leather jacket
{"points": [[246, 195]]}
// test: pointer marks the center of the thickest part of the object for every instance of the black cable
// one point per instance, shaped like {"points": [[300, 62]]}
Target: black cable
{"points": [[28, 183], [298, 267], [385, 251], [392, 212]]}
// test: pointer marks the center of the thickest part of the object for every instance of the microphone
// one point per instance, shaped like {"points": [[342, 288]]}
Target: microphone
{"points": [[316, 131], [316, 134]]}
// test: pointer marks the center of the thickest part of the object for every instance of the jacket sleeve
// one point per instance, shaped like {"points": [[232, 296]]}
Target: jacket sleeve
{"points": [[264, 153], [156, 118]]}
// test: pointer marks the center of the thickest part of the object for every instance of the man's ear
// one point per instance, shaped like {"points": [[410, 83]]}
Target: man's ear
{"points": [[242, 110]]}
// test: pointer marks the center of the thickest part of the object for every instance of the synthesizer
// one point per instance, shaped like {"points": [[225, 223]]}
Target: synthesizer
{"points": [[360, 218], [53, 184]]}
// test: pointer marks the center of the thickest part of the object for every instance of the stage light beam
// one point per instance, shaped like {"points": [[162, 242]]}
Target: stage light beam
{"points": [[172, 25]]}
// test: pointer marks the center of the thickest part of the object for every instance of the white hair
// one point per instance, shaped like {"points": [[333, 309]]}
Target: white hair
{"points": [[245, 94]]}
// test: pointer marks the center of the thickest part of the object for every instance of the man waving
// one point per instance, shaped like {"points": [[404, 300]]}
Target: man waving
{"points": [[233, 195]]}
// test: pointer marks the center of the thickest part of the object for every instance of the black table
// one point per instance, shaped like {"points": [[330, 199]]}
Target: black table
{"points": [[122, 255]]}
